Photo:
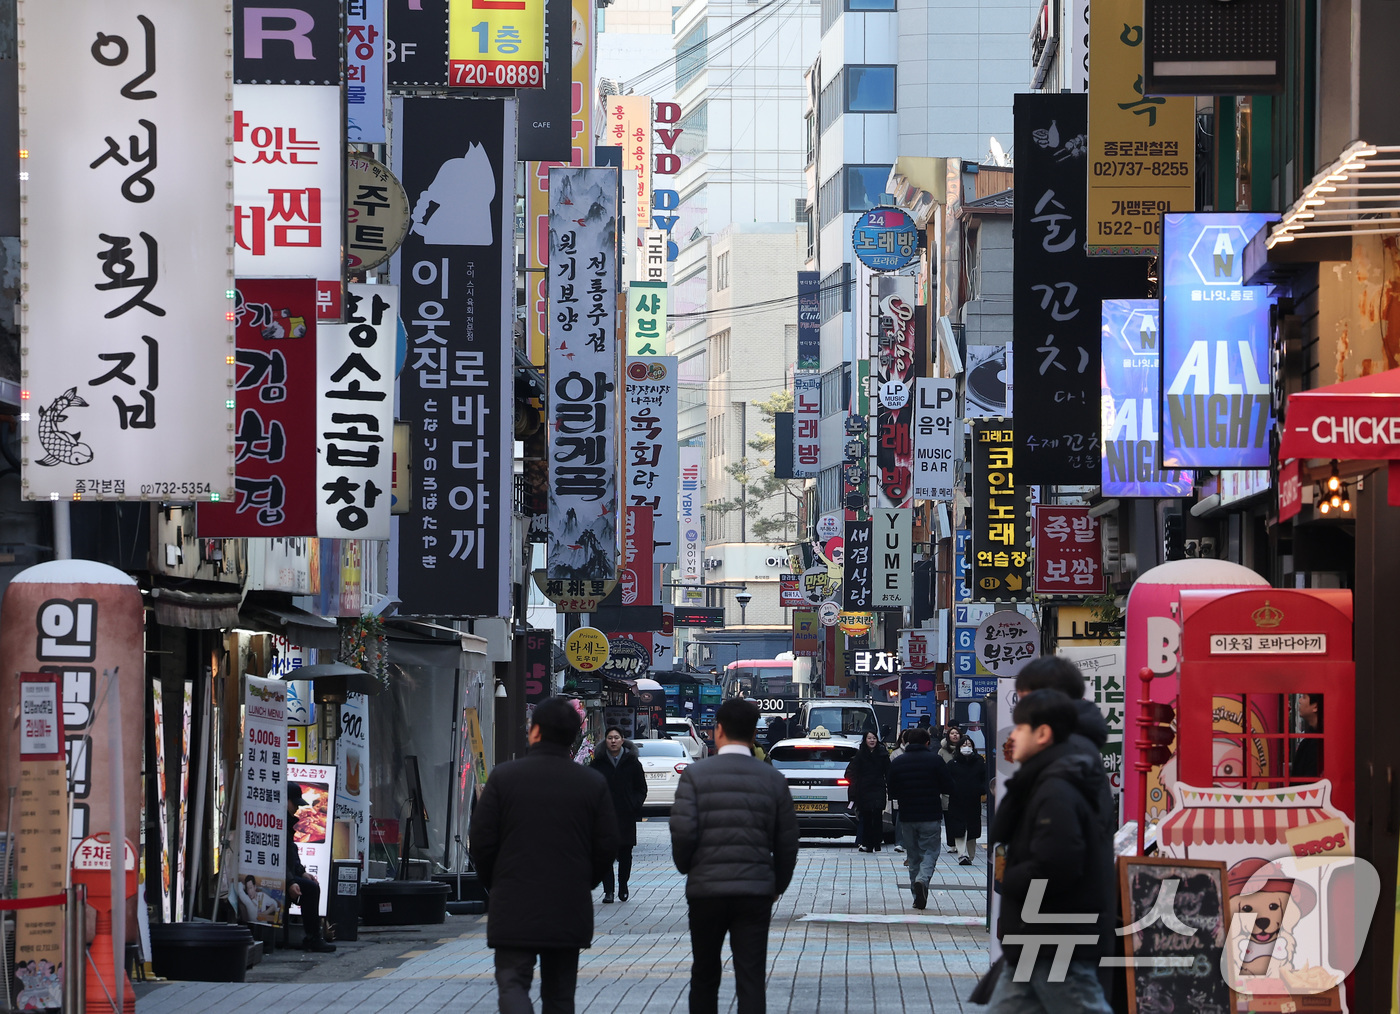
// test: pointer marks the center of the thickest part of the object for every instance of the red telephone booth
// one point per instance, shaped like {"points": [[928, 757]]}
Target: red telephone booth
{"points": [[1285, 657]]}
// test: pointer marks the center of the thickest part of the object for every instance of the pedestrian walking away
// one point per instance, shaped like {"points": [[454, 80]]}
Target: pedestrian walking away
{"points": [[619, 764], [963, 817], [918, 780], [542, 836], [1049, 822], [948, 749], [868, 774], [302, 887], [734, 836]]}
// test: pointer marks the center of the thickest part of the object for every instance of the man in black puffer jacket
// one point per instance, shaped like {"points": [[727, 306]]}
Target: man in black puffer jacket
{"points": [[734, 836], [918, 781], [1055, 866]]}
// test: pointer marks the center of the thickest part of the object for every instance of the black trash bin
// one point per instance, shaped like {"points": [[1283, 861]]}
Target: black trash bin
{"points": [[343, 905]]}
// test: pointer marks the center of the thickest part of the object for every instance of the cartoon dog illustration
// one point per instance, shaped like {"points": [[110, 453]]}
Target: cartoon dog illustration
{"points": [[1258, 888]]}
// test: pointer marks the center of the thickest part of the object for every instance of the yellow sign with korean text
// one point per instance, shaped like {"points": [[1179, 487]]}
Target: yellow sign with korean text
{"points": [[587, 649], [646, 319], [629, 127], [1142, 152], [495, 43]]}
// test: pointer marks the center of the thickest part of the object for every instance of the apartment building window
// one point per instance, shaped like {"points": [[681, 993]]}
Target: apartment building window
{"points": [[695, 133], [836, 293], [719, 355], [833, 391], [829, 200], [831, 10], [865, 186], [829, 489], [829, 105], [715, 438], [869, 88], [811, 138], [871, 5], [722, 271], [691, 55]]}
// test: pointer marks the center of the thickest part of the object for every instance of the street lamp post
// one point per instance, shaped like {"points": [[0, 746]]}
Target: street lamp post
{"points": [[743, 598]]}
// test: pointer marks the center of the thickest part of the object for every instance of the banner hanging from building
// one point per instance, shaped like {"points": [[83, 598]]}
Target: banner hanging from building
{"points": [[806, 425], [646, 319], [1055, 295], [364, 71], [629, 127], [583, 370], [1068, 551], [355, 415], [809, 320], [859, 578], [126, 312], [893, 557], [275, 397], [638, 572], [457, 286], [1131, 424], [1000, 515], [289, 210], [893, 367], [935, 460], [1142, 150], [494, 44], [650, 447], [1216, 375], [689, 504]]}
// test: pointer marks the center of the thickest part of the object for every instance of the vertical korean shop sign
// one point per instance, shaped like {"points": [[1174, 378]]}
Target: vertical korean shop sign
{"points": [[809, 320], [262, 800], [275, 401], [646, 319], [629, 126], [1055, 296], [1000, 515], [1142, 150], [893, 351], [807, 425], [1068, 551], [1131, 423], [1216, 377], [457, 287], [935, 403], [365, 44], [289, 211], [355, 416], [495, 43], [126, 331], [650, 448], [583, 370]]}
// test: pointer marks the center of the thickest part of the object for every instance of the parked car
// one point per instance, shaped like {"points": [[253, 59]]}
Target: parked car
{"points": [[663, 760], [815, 770], [683, 731]]}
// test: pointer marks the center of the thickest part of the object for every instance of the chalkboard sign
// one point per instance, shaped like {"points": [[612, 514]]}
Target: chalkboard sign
{"points": [[1178, 910]]}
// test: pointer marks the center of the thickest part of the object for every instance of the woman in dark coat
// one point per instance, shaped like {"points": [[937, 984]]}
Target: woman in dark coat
{"points": [[963, 817], [619, 764], [868, 774]]}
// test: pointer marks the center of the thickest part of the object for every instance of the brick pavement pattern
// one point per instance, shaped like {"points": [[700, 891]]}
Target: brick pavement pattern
{"points": [[823, 958]]}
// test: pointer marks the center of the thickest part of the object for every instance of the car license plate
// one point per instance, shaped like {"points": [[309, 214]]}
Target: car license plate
{"points": [[810, 807], [657, 774]]}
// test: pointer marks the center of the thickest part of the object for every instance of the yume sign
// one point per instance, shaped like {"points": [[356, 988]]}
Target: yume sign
{"points": [[126, 257], [495, 43], [1142, 150], [587, 649]]}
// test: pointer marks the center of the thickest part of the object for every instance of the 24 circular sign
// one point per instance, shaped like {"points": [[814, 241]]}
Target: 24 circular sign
{"points": [[885, 239]]}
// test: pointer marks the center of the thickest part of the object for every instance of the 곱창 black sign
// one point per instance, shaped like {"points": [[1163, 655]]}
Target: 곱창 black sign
{"points": [[1056, 293], [1000, 515], [455, 158]]}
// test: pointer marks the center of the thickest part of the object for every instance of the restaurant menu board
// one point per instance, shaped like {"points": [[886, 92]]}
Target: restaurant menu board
{"points": [[42, 844], [262, 843], [352, 786], [311, 829], [1179, 907]]}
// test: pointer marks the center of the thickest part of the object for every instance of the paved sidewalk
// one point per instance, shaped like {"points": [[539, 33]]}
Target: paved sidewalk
{"points": [[824, 956]]}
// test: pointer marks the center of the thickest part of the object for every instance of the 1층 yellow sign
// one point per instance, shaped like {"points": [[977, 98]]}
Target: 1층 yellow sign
{"points": [[495, 43], [1142, 154]]}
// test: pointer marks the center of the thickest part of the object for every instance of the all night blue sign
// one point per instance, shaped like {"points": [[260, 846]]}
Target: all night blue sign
{"points": [[1215, 383], [1129, 436], [885, 239]]}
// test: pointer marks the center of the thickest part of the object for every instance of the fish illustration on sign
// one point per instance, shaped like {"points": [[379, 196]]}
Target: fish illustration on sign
{"points": [[63, 448]]}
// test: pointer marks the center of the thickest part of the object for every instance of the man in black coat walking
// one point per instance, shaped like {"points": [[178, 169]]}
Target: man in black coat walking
{"points": [[734, 835], [918, 781], [627, 781], [542, 835]]}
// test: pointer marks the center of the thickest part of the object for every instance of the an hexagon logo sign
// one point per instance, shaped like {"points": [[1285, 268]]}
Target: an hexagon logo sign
{"points": [[1140, 332], [1218, 254]]}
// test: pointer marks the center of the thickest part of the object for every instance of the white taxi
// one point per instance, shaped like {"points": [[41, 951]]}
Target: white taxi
{"points": [[815, 770], [663, 760]]}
